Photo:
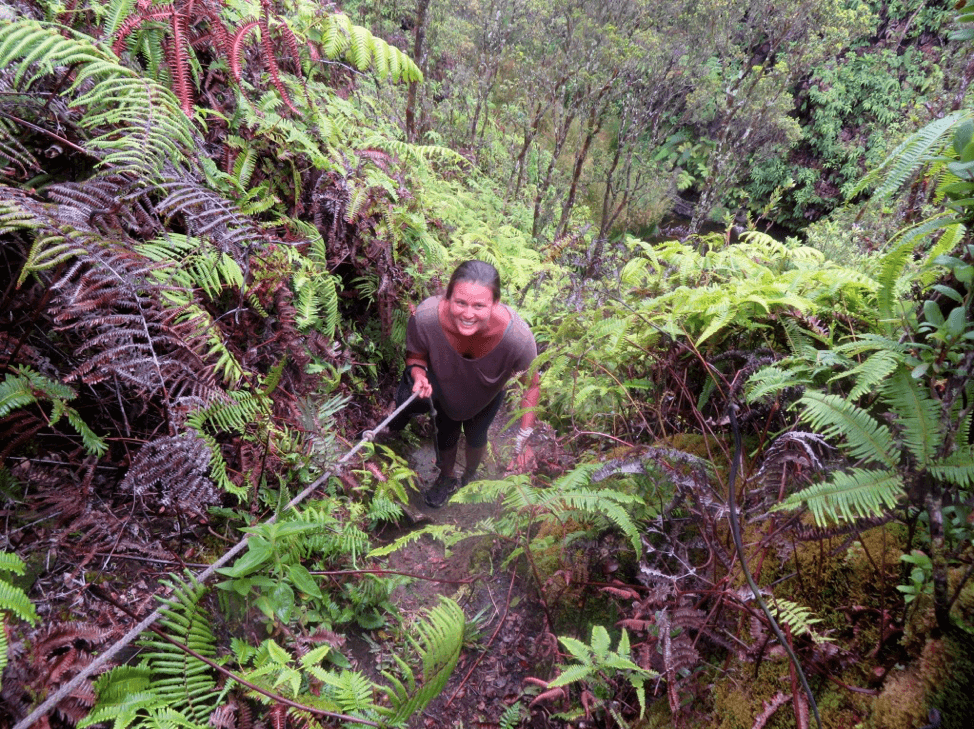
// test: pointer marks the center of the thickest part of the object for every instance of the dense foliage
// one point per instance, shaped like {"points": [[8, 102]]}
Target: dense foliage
{"points": [[214, 216]]}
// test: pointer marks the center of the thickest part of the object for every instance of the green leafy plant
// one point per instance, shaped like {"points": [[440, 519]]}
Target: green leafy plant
{"points": [[921, 571], [26, 387], [328, 535], [13, 600], [173, 686], [599, 670]]}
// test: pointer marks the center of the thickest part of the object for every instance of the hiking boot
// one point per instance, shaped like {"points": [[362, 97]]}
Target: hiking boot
{"points": [[467, 478], [441, 490]]}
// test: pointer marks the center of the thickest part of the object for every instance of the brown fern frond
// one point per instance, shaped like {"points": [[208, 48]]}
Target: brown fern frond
{"points": [[224, 717], [246, 716], [131, 335], [109, 203], [219, 31], [17, 155], [277, 716], [17, 428], [172, 472], [791, 459], [58, 652], [205, 214]]}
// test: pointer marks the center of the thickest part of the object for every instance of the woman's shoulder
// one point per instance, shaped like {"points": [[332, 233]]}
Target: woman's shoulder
{"points": [[425, 318], [428, 308], [517, 321]]}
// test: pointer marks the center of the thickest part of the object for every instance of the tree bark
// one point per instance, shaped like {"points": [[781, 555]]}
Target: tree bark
{"points": [[419, 53]]}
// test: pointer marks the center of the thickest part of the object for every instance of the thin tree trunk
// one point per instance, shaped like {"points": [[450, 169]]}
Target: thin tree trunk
{"points": [[595, 126], [419, 53]]}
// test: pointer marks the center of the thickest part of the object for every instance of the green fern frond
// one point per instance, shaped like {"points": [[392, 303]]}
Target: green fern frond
{"points": [[914, 151], [867, 342], [957, 468], [444, 533], [185, 683], [337, 36], [24, 387], [233, 415], [917, 415], [847, 496], [770, 381], [148, 129], [440, 638], [351, 692], [797, 618], [10, 562], [872, 372], [835, 417], [608, 504], [169, 688], [13, 599]]}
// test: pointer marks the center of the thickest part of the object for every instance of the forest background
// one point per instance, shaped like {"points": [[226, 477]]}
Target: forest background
{"points": [[739, 231]]}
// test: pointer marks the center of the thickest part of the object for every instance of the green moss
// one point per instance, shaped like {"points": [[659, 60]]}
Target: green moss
{"points": [[741, 696], [949, 674], [902, 703]]}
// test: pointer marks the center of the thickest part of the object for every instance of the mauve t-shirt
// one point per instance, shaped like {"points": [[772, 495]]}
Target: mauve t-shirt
{"points": [[466, 386]]}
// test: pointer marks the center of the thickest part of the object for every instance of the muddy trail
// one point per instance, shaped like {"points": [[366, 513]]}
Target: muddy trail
{"points": [[506, 622]]}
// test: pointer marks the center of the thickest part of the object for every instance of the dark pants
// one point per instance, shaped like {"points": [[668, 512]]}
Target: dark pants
{"points": [[447, 429]]}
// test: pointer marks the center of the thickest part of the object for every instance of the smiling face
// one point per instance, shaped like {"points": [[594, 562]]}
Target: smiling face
{"points": [[470, 307]]}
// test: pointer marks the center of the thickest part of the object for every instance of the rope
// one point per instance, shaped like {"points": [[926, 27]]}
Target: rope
{"points": [[135, 632]]}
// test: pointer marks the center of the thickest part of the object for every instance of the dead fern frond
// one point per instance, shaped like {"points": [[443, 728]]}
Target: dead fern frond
{"points": [[206, 214], [171, 472], [57, 653], [793, 458], [110, 297]]}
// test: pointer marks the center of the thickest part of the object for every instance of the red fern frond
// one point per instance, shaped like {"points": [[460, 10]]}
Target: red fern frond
{"points": [[180, 69], [278, 716], [271, 61], [292, 44], [218, 30], [130, 24], [137, 18], [380, 159], [236, 49]]}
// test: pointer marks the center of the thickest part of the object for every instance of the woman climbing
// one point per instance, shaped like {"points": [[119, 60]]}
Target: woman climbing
{"points": [[461, 349]]}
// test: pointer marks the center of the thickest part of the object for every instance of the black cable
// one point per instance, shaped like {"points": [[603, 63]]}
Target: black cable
{"points": [[739, 546]]}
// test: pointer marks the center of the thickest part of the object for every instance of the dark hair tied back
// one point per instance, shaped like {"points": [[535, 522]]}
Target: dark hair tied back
{"points": [[478, 272]]}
